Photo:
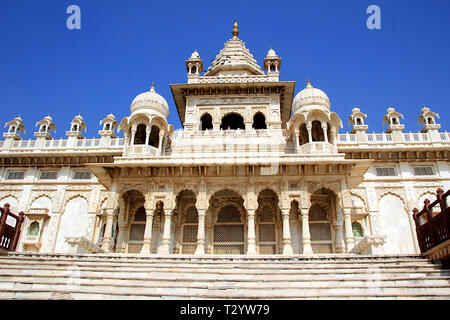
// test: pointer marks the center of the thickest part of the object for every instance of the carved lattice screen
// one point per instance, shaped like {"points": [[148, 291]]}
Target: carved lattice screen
{"points": [[190, 230], [229, 232], [266, 230]]}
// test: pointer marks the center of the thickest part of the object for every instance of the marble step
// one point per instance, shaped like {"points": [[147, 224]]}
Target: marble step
{"points": [[199, 293], [12, 281]]}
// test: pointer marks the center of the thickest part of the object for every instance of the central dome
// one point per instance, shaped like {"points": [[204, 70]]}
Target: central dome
{"points": [[310, 96], [150, 100]]}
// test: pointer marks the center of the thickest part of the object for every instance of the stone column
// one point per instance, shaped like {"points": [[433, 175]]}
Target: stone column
{"points": [[165, 247], [147, 134], [287, 247], [133, 135], [107, 239], [200, 250], [339, 245], [306, 236], [146, 248], [325, 132], [161, 138], [251, 238], [309, 128], [296, 137], [120, 236], [350, 241]]}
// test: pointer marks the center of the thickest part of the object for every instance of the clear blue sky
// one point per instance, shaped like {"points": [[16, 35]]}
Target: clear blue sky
{"points": [[125, 45]]}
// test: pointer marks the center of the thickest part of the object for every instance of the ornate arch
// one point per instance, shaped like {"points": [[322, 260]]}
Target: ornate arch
{"points": [[392, 192], [261, 187], [357, 195], [73, 196], [219, 187], [222, 204], [7, 196], [41, 195]]}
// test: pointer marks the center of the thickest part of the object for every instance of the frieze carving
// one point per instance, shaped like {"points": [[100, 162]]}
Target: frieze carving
{"points": [[313, 186]]}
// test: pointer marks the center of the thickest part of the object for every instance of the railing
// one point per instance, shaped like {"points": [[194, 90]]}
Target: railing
{"points": [[183, 134], [9, 235], [141, 150], [433, 226], [28, 145]]}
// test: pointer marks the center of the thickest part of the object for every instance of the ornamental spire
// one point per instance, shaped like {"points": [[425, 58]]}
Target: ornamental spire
{"points": [[235, 29], [152, 89]]}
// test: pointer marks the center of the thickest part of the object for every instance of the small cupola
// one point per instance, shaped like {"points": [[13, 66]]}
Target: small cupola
{"points": [[76, 127], [428, 120], [16, 127], [46, 126], [272, 63], [356, 120], [194, 66], [392, 118], [109, 125]]}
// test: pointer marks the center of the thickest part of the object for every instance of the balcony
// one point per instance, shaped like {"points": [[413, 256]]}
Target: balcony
{"points": [[141, 150]]}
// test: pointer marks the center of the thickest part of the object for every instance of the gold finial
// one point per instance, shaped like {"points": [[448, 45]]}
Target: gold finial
{"points": [[153, 86], [235, 29], [308, 83]]}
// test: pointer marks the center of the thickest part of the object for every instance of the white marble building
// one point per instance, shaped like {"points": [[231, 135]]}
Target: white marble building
{"points": [[256, 169]]}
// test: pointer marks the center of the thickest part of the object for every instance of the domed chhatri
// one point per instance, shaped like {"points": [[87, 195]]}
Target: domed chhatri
{"points": [[309, 97], [150, 100]]}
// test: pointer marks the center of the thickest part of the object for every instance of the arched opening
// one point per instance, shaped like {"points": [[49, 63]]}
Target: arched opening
{"points": [[395, 225], [358, 121], [303, 135], [193, 69], [317, 131], [357, 230], [154, 137], [140, 136], [43, 128], [33, 230], [430, 121], [75, 127], [136, 220], [321, 213], [266, 223], [186, 223], [13, 129], [107, 126], [394, 121], [272, 68], [228, 223], [206, 122], [259, 121], [232, 121]]}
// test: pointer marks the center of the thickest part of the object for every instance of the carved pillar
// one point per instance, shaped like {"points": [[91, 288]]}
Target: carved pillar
{"points": [[120, 236], [348, 229], [325, 132], [147, 134], [165, 247], [146, 248], [200, 250], [296, 137], [339, 245], [309, 128], [287, 247], [306, 236], [133, 135], [161, 138], [107, 239], [251, 238]]}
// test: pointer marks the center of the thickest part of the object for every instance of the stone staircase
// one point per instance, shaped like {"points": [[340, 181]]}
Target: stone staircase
{"points": [[114, 276]]}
